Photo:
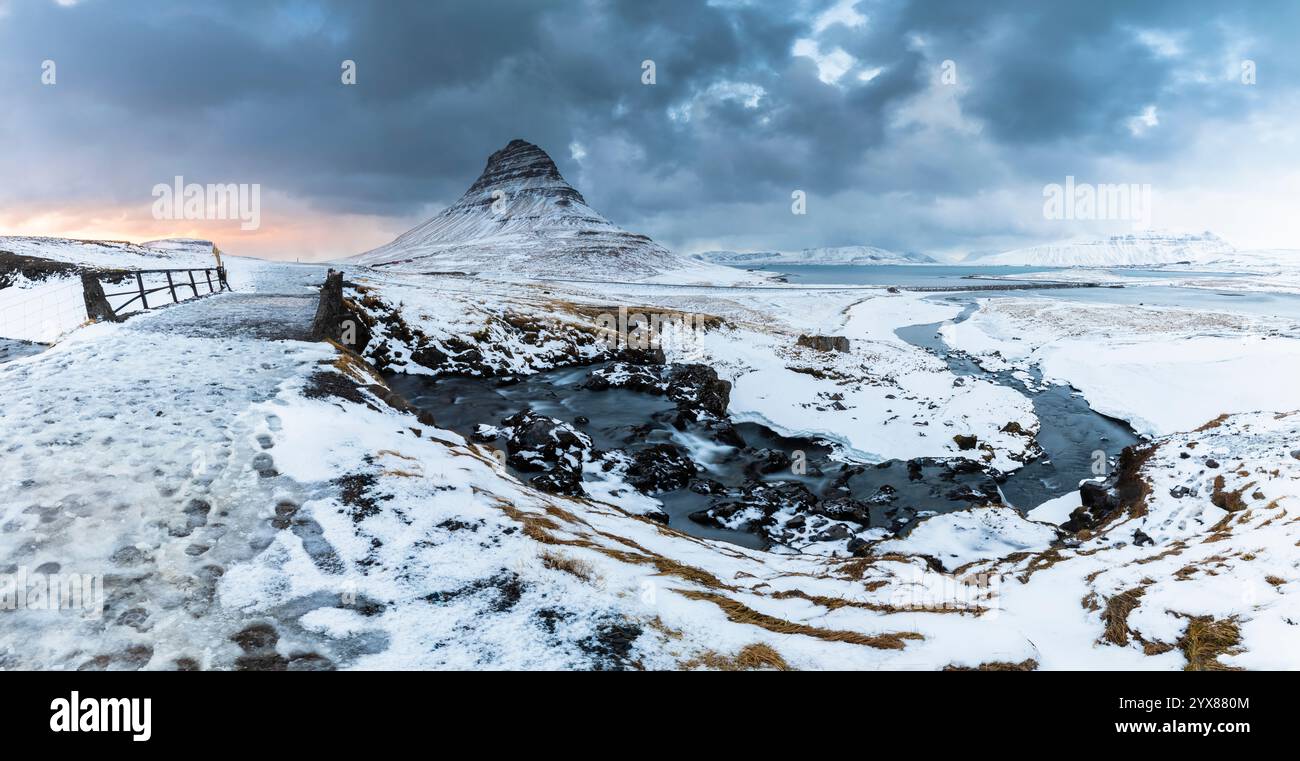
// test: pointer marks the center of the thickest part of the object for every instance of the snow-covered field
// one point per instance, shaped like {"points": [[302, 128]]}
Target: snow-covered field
{"points": [[1161, 369], [254, 500]]}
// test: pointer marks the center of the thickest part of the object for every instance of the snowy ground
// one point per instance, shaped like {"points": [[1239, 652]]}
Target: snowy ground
{"points": [[253, 500], [1161, 369]]}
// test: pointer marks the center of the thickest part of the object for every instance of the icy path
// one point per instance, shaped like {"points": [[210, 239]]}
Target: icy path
{"points": [[131, 451]]}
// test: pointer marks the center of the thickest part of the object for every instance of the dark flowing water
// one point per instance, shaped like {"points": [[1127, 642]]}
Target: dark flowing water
{"points": [[631, 420], [1070, 432]]}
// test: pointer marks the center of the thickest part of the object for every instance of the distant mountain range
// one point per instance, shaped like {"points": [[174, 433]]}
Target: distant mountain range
{"points": [[1143, 248], [865, 255], [521, 217]]}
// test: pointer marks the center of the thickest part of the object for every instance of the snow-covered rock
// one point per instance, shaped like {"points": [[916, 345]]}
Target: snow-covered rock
{"points": [[1141, 248], [979, 533]]}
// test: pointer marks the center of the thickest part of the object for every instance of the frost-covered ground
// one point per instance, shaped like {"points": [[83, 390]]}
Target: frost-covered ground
{"points": [[1161, 369], [255, 500]]}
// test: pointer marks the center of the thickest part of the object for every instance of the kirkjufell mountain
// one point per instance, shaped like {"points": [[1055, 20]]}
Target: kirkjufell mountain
{"points": [[521, 217]]}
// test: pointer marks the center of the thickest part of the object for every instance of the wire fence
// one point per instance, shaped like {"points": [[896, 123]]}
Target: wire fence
{"points": [[43, 312]]}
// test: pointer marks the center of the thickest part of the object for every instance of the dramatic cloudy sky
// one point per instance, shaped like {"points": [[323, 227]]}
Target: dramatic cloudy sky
{"points": [[844, 100]]}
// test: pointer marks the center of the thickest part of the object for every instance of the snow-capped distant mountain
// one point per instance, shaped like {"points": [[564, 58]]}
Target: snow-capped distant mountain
{"points": [[826, 255], [521, 217], [1144, 248]]}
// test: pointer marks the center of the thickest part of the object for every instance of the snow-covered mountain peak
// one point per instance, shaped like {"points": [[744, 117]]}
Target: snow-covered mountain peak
{"points": [[522, 218], [523, 167]]}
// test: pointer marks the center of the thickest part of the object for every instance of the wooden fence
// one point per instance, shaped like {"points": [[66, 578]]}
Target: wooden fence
{"points": [[199, 281]]}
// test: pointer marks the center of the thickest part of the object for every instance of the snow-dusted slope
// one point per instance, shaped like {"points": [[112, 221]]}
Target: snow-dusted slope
{"points": [[1116, 251], [521, 217], [826, 255], [171, 252]]}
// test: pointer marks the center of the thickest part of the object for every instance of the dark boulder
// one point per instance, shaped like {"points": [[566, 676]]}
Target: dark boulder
{"points": [[845, 509], [554, 447], [540, 443], [565, 481], [825, 343], [696, 389], [706, 486], [766, 461], [660, 468]]}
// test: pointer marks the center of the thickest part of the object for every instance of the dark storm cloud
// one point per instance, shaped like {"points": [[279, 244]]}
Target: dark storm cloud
{"points": [[250, 92]]}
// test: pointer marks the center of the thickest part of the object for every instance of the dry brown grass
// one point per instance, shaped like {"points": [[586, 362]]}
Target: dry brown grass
{"points": [[834, 603], [1276, 581], [1041, 561], [1206, 639], [401, 473], [754, 657], [1215, 423], [1174, 549], [579, 568], [397, 454], [1228, 500], [1029, 664], [739, 613], [539, 528], [1219, 531], [353, 366], [1116, 615]]}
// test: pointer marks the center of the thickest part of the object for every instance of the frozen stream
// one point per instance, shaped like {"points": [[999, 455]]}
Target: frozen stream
{"points": [[1071, 433]]}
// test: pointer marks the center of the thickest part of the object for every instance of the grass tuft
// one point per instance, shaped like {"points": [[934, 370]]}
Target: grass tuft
{"points": [[1116, 614], [1206, 639], [750, 658], [1029, 664], [739, 613], [579, 568]]}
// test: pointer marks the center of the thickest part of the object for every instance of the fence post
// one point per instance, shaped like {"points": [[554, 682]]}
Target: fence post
{"points": [[97, 306], [144, 300], [193, 285], [172, 286], [208, 275], [221, 275]]}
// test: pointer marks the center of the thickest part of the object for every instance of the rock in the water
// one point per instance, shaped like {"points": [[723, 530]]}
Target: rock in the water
{"points": [[660, 468], [699, 394], [554, 447], [767, 461], [540, 443]]}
